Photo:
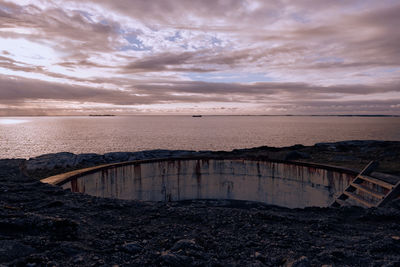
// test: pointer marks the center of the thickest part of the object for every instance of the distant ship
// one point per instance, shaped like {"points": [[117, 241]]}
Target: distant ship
{"points": [[101, 115], [197, 116]]}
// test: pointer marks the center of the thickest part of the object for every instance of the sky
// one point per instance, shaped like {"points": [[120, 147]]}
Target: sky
{"points": [[233, 57]]}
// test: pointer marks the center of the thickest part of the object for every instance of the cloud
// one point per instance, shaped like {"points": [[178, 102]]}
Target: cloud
{"points": [[265, 88], [22, 92], [130, 53]]}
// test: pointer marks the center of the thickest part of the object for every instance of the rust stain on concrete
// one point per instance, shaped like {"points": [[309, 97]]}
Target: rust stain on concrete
{"points": [[279, 183]]}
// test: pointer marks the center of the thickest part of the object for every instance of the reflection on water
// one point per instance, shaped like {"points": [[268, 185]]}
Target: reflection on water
{"points": [[41, 135], [12, 121]]}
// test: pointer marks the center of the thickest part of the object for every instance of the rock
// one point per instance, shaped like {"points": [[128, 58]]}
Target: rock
{"points": [[387, 244], [51, 161], [64, 229], [116, 156], [344, 158], [89, 159], [11, 249], [12, 169], [66, 159], [132, 247], [257, 264], [326, 146], [185, 244], [300, 262], [77, 259], [136, 156], [294, 155], [54, 204], [69, 249], [173, 259], [181, 153], [51, 264], [147, 154]]}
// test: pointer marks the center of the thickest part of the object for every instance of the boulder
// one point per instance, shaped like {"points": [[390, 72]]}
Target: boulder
{"points": [[89, 159], [12, 169], [51, 161], [295, 155], [300, 262], [12, 249], [173, 259], [132, 247], [344, 158], [117, 156], [185, 244]]}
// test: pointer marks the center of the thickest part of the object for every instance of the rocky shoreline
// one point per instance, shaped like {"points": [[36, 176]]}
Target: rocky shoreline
{"points": [[43, 225]]}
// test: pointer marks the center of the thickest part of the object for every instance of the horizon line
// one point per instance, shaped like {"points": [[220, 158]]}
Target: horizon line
{"points": [[210, 115]]}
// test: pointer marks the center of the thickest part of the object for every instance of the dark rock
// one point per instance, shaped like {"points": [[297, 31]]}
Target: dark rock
{"points": [[136, 156], [12, 249], [185, 244], [69, 249], [51, 161], [13, 169], [51, 264], [64, 229], [300, 262], [132, 247], [387, 244], [344, 158], [296, 146], [78, 259], [116, 156], [294, 155], [173, 259], [326, 146], [54, 204], [89, 159]]}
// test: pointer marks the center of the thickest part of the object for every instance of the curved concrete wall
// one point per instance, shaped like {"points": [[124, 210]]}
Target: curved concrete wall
{"points": [[284, 184]]}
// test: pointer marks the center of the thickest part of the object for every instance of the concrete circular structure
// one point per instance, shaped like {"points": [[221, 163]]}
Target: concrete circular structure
{"points": [[288, 184]]}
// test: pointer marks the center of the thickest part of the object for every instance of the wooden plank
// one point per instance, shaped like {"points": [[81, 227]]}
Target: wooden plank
{"points": [[359, 199], [357, 184], [369, 168], [61, 178], [389, 178], [368, 191], [375, 181], [391, 195]]}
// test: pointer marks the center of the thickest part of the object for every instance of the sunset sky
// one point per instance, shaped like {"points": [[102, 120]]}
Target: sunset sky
{"points": [[199, 57]]}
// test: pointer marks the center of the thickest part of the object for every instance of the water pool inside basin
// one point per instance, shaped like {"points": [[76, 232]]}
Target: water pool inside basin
{"points": [[292, 185]]}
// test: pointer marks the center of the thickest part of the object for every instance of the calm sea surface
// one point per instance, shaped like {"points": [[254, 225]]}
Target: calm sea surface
{"points": [[33, 136]]}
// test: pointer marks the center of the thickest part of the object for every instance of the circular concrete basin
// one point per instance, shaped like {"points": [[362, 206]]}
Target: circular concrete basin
{"points": [[288, 184]]}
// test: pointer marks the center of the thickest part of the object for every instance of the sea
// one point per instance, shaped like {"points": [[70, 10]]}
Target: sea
{"points": [[26, 137]]}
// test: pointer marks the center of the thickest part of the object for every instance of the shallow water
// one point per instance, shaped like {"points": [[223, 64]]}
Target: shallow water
{"points": [[32, 136]]}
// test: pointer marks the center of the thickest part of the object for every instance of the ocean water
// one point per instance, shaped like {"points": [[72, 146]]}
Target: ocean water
{"points": [[24, 137]]}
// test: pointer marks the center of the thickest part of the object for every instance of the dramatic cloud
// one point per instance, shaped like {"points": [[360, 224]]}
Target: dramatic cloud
{"points": [[211, 57]]}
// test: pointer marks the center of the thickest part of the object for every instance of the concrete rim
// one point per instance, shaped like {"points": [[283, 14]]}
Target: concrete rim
{"points": [[63, 178]]}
